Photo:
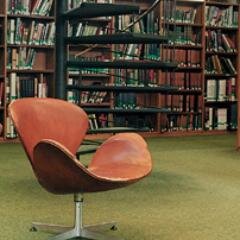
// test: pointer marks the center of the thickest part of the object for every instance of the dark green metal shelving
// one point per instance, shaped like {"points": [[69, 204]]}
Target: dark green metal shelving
{"points": [[123, 64], [118, 38], [91, 10]]}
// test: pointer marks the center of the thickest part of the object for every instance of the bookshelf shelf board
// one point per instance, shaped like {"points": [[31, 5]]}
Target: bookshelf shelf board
{"points": [[123, 64], [183, 46], [222, 28], [208, 75], [222, 53], [188, 92], [89, 75], [224, 4], [118, 38], [92, 10], [220, 103], [183, 24], [32, 17], [30, 46], [123, 89], [171, 112], [119, 110], [30, 71], [118, 130], [103, 104], [192, 69], [2, 15], [190, 1], [95, 48]]}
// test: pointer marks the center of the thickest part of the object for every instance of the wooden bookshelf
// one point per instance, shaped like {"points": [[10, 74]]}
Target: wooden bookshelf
{"points": [[29, 67], [168, 100], [2, 69], [221, 66], [184, 22]]}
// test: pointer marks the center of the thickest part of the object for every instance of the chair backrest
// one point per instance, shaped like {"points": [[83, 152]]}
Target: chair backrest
{"points": [[47, 118]]}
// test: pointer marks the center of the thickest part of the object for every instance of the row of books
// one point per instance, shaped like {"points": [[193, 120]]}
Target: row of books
{"points": [[30, 7], [122, 22], [185, 35], [21, 58], [97, 121], [184, 57], [181, 122], [84, 71], [216, 118], [219, 65], [185, 80], [81, 97], [20, 87], [86, 29], [179, 15], [183, 16], [221, 17], [135, 121], [221, 90], [135, 77], [149, 78], [181, 103], [219, 42], [97, 58], [33, 33], [129, 51], [137, 51], [150, 24], [126, 101]]}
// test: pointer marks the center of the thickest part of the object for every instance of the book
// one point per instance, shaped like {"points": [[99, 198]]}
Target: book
{"points": [[221, 119], [1, 94]]}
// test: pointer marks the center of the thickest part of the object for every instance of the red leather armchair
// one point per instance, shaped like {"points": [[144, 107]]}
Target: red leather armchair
{"points": [[51, 132]]}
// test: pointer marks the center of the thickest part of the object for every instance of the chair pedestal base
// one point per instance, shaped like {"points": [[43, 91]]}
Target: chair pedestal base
{"points": [[94, 232]]}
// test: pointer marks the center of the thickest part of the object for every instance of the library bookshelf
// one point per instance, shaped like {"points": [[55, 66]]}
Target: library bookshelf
{"points": [[221, 65], [175, 73], [116, 85], [27, 54], [184, 21], [165, 99], [2, 67]]}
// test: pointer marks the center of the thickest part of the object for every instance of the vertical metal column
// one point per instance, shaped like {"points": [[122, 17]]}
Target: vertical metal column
{"points": [[60, 69]]}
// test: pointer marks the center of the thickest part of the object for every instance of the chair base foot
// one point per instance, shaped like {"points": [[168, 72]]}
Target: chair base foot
{"points": [[49, 228], [93, 232]]}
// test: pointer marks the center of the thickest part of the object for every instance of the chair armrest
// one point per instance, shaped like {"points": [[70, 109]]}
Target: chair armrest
{"points": [[55, 166]]}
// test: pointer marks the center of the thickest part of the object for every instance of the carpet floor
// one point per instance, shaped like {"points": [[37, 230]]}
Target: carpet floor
{"points": [[193, 193]]}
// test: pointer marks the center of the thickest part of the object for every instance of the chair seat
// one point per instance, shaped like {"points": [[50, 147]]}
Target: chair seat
{"points": [[120, 172], [121, 160], [122, 157]]}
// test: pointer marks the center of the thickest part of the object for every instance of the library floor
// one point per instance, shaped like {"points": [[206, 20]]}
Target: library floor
{"points": [[192, 194]]}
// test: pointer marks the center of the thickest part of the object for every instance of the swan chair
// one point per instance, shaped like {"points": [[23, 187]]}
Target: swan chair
{"points": [[51, 131]]}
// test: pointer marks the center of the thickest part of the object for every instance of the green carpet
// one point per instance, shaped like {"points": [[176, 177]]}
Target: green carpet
{"points": [[192, 194]]}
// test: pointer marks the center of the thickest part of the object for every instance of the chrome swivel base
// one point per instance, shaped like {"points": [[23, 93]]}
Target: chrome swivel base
{"points": [[93, 232]]}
